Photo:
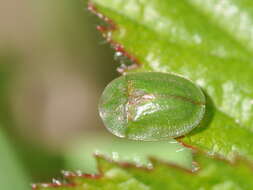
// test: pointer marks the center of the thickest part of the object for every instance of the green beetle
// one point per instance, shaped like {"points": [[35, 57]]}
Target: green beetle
{"points": [[151, 106]]}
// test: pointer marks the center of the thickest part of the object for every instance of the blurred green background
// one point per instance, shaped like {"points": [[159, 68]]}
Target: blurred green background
{"points": [[54, 66]]}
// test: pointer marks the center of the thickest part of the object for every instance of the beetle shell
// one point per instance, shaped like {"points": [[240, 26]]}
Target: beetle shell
{"points": [[151, 106]]}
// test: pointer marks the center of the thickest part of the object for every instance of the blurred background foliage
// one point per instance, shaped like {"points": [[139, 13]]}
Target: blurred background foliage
{"points": [[54, 66], [52, 72]]}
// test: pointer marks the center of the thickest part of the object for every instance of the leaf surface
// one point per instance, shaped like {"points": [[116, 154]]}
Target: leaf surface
{"points": [[213, 174], [208, 42], [80, 155]]}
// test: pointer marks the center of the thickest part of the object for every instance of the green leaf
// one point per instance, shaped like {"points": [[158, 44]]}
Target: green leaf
{"points": [[12, 175], [213, 174], [209, 42], [80, 155]]}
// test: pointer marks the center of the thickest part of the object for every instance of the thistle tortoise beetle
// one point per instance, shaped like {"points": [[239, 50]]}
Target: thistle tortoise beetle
{"points": [[151, 106]]}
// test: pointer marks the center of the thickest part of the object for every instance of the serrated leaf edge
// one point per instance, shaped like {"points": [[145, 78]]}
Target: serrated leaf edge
{"points": [[67, 175], [118, 47]]}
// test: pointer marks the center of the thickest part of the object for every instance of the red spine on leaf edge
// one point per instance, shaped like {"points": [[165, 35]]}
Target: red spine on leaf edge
{"points": [[105, 30]]}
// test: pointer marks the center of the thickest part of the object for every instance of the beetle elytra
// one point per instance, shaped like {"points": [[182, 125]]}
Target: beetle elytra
{"points": [[151, 106]]}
